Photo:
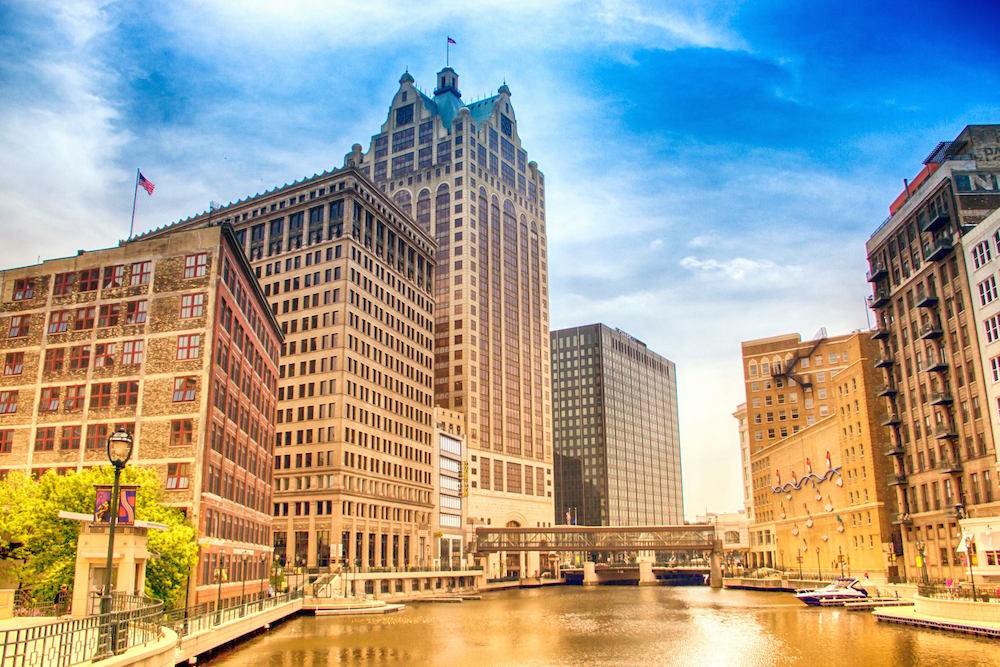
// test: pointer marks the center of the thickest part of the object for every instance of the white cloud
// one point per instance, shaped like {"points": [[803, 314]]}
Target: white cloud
{"points": [[738, 268]]}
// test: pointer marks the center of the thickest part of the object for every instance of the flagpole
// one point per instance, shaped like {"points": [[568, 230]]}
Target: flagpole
{"points": [[135, 194], [447, 51]]}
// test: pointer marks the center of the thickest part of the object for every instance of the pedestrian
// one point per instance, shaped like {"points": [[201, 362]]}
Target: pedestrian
{"points": [[62, 600]]}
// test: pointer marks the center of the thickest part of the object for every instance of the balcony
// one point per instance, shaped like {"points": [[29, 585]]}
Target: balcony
{"points": [[939, 365], [945, 433], [930, 331], [940, 398], [938, 249], [895, 479], [928, 300], [884, 362], [893, 450], [892, 419], [877, 272], [935, 222], [879, 299], [887, 390], [880, 333], [950, 467], [903, 519]]}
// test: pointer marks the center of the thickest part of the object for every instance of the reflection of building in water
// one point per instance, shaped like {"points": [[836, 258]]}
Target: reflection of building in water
{"points": [[617, 444]]}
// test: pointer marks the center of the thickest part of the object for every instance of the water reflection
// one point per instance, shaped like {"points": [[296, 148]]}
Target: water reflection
{"points": [[609, 626]]}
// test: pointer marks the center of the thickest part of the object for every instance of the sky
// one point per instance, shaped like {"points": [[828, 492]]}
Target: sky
{"points": [[713, 170]]}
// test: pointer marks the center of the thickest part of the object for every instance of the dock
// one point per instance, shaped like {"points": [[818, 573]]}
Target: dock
{"points": [[874, 603]]}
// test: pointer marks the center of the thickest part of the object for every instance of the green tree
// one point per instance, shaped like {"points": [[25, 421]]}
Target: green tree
{"points": [[32, 532]]}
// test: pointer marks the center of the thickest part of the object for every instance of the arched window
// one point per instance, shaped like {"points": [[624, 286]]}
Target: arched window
{"points": [[423, 216], [404, 201], [442, 210]]}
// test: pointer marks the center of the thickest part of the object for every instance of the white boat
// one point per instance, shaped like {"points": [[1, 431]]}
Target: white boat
{"points": [[837, 592]]}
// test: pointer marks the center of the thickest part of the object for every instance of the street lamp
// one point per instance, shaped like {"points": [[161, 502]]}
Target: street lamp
{"points": [[819, 565], [220, 576], [119, 452], [840, 559], [968, 557]]}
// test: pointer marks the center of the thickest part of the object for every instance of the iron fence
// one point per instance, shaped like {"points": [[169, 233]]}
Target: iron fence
{"points": [[202, 617], [133, 621]]}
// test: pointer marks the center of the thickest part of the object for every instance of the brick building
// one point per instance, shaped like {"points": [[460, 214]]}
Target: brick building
{"points": [[943, 450], [172, 339], [816, 438]]}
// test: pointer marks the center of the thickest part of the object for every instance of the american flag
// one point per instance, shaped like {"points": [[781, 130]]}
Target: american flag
{"points": [[146, 184], [451, 41]]}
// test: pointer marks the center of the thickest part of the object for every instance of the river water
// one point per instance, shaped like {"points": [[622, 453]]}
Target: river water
{"points": [[610, 625]]}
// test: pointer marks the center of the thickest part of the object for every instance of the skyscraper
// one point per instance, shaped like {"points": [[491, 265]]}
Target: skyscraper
{"points": [[617, 443], [943, 451], [460, 170]]}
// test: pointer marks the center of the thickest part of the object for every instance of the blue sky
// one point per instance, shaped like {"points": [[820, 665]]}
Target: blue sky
{"points": [[713, 169]]}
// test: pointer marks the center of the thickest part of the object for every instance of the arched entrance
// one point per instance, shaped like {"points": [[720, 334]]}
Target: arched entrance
{"points": [[512, 561]]}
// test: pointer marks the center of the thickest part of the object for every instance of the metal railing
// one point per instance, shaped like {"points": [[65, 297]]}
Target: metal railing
{"points": [[202, 617], [133, 621]]}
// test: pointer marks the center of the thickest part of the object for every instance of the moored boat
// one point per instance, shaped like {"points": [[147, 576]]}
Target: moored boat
{"points": [[837, 592]]}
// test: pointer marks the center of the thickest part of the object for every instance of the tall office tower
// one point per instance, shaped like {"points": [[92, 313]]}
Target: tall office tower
{"points": [[348, 277], [943, 447], [461, 171], [617, 443], [171, 339], [816, 446]]}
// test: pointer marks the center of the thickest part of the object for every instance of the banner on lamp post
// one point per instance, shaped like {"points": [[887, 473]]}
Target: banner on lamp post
{"points": [[126, 505]]}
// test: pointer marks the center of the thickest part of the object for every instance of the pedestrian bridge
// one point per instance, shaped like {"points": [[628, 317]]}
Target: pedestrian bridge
{"points": [[696, 537]]}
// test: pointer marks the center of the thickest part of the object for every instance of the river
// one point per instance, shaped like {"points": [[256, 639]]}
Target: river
{"points": [[609, 625]]}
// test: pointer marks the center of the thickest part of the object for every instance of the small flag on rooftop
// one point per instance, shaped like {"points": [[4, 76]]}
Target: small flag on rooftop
{"points": [[451, 41], [146, 184]]}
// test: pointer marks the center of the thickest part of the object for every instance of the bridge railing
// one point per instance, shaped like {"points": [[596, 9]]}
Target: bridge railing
{"points": [[699, 537]]}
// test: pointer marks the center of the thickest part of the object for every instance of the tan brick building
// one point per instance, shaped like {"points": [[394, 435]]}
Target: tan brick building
{"points": [[349, 278], [943, 450], [461, 171], [816, 454], [172, 339]]}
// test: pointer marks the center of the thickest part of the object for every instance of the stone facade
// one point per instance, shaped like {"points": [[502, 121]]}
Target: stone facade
{"points": [[460, 170], [943, 449], [349, 278], [129, 336]]}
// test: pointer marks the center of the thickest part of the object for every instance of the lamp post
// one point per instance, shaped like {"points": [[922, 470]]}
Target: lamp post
{"points": [[819, 565], [220, 576], [119, 452], [968, 557], [840, 559]]}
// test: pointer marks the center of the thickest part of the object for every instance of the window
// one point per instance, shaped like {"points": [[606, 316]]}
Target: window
{"points": [[24, 289], [97, 436], [14, 363], [139, 273], [59, 321], [135, 311], [89, 279], [181, 432], [987, 290], [184, 389], [992, 327], [177, 476], [45, 439], [84, 318], [981, 253], [70, 437], [108, 315], [74, 397], [114, 276], [18, 326], [79, 358], [100, 395], [64, 283], [6, 441], [8, 402], [128, 393], [196, 266], [54, 359], [132, 352], [192, 305], [50, 400], [104, 355], [189, 346]]}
